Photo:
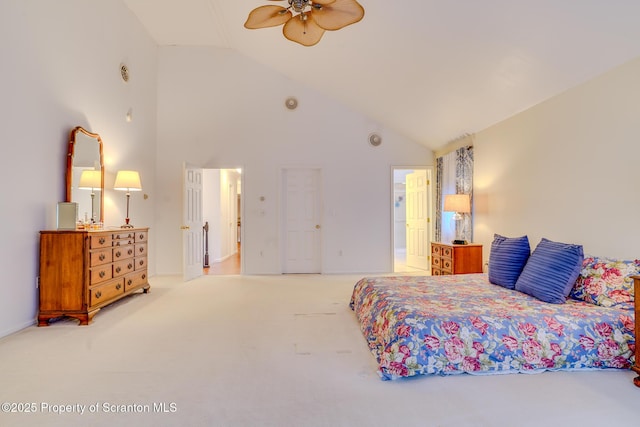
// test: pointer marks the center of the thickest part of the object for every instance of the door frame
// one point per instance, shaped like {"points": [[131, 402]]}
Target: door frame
{"points": [[430, 208], [242, 206]]}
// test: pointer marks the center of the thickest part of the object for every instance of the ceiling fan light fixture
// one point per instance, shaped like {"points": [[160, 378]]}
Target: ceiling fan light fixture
{"points": [[311, 18]]}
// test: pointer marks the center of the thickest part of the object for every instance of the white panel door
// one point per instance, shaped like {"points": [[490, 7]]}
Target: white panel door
{"points": [[301, 221], [192, 240], [418, 223]]}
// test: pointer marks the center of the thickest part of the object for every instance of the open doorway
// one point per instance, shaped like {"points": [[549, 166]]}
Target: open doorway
{"points": [[412, 225], [222, 216]]}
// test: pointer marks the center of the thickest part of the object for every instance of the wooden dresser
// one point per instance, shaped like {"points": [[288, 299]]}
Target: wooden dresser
{"points": [[636, 366], [455, 259], [82, 271]]}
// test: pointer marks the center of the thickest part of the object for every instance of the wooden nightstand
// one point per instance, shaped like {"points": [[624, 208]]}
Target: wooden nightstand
{"points": [[455, 259]]}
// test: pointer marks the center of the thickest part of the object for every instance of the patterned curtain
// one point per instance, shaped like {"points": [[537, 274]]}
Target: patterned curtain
{"points": [[461, 161], [439, 198]]}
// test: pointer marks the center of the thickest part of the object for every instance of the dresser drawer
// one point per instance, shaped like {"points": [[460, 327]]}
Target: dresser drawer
{"points": [[123, 252], [136, 279], [106, 292], [124, 235], [436, 261], [120, 268], [141, 249], [97, 241], [122, 242], [100, 274], [141, 236], [103, 256], [436, 250], [446, 265], [446, 251], [140, 263]]}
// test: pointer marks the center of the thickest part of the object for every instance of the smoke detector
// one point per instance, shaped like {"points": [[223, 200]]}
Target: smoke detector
{"points": [[375, 140], [291, 103]]}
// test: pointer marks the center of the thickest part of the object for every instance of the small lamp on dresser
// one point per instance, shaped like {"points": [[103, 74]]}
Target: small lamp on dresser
{"points": [[460, 204], [91, 179], [127, 181]]}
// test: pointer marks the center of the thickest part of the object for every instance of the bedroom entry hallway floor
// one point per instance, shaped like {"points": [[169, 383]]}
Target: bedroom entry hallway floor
{"points": [[281, 351], [230, 265]]}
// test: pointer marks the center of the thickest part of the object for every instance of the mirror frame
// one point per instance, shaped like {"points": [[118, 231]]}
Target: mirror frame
{"points": [[69, 174]]}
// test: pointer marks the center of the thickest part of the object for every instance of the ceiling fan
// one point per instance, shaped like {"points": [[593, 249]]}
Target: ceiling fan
{"points": [[311, 19]]}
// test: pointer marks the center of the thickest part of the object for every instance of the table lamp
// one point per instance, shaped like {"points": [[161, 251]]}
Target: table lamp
{"points": [[127, 181]]}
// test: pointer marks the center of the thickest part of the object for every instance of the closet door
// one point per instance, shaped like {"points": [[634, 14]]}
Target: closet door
{"points": [[302, 229]]}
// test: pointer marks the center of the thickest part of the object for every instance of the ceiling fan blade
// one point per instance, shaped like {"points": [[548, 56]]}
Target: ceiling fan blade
{"points": [[303, 31], [338, 14], [267, 16]]}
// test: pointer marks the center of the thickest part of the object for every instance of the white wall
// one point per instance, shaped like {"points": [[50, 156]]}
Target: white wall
{"points": [[566, 169], [61, 63], [219, 109]]}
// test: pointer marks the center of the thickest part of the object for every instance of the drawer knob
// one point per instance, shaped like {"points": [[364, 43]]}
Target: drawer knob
{"points": [[118, 286], [118, 269], [129, 282], [102, 240], [129, 266], [144, 276], [102, 257], [141, 237], [130, 251], [101, 274], [98, 294], [118, 254], [141, 250]]}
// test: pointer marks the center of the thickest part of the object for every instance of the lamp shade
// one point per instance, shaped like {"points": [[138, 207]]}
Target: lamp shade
{"points": [[90, 179], [460, 203], [127, 181]]}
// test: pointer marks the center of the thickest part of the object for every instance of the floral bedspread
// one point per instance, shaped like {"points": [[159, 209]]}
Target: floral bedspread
{"points": [[462, 323]]}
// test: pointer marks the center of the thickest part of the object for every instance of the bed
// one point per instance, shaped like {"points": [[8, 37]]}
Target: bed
{"points": [[444, 325]]}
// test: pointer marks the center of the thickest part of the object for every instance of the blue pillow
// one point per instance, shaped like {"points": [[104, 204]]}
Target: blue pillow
{"points": [[551, 271], [507, 259]]}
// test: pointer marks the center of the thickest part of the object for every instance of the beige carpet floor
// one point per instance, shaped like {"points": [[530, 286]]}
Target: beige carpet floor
{"points": [[266, 351]]}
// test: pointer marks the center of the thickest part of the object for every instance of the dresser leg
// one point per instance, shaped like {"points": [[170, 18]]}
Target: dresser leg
{"points": [[43, 320]]}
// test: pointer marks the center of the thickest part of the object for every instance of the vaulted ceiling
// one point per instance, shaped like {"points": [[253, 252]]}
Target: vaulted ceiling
{"points": [[431, 70]]}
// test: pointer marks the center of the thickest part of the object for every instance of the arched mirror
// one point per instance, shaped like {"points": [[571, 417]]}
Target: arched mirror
{"points": [[85, 174]]}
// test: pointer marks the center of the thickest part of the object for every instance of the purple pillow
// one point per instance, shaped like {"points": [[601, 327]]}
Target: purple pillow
{"points": [[551, 271], [507, 259]]}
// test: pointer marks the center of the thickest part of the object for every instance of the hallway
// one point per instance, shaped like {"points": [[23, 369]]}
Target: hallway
{"points": [[229, 266]]}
